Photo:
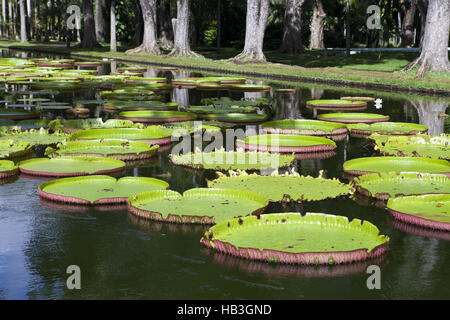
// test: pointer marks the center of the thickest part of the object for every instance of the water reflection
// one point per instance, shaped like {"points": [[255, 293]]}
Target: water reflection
{"points": [[429, 114]]}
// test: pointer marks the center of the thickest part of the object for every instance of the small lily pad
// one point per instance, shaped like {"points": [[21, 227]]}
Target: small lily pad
{"points": [[353, 117], [8, 169], [392, 128]]}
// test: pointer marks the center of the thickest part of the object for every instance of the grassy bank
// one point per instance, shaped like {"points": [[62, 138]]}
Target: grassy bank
{"points": [[373, 70]]}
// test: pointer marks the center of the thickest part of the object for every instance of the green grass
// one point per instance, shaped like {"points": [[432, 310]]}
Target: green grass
{"points": [[365, 68]]}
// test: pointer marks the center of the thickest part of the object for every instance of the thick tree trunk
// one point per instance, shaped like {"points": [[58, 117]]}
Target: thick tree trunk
{"points": [[4, 20], [292, 34], [165, 25], [317, 24], [257, 14], [181, 46], [422, 6], [434, 51], [219, 24], [30, 18], [23, 21], [113, 41], [347, 29], [139, 25], [100, 20], [149, 42], [408, 24], [89, 38]]}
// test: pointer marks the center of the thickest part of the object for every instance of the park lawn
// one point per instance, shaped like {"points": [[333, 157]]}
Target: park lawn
{"points": [[367, 68]]}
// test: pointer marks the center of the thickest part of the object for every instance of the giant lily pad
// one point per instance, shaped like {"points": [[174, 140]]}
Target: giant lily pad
{"points": [[385, 185], [14, 114], [353, 117], [139, 106], [225, 102], [33, 124], [124, 150], [70, 166], [13, 149], [157, 116], [314, 238], [152, 134], [336, 104], [305, 127], [71, 126], [7, 169], [283, 187], [362, 166], [416, 146], [250, 87], [367, 99], [248, 118], [392, 128], [204, 206], [431, 211], [230, 160], [97, 189], [212, 109], [286, 143], [34, 137]]}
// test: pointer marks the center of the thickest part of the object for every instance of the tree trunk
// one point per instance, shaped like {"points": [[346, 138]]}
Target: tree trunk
{"points": [[292, 34], [408, 24], [113, 42], [347, 29], [257, 14], [100, 20], [219, 24], [23, 21], [30, 18], [422, 5], [4, 20], [139, 25], [317, 24], [181, 46], [434, 51], [149, 42], [89, 38], [165, 25]]}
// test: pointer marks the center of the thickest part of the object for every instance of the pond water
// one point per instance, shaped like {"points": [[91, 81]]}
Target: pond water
{"points": [[123, 258]]}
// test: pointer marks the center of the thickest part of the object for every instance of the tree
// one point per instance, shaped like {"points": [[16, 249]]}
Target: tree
{"points": [[89, 38], [165, 25], [317, 25], [257, 13], [100, 20], [149, 41], [181, 26], [23, 21], [408, 24], [113, 42], [292, 33], [433, 54]]}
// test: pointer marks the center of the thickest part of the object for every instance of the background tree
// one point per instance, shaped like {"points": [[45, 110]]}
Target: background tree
{"points": [[165, 25], [149, 42], [292, 34], [100, 20], [23, 23], [317, 26], [113, 40], [89, 34], [257, 13]]}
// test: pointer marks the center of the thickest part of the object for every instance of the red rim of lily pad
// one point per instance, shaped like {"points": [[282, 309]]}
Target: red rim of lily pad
{"points": [[172, 116], [12, 171], [322, 145], [328, 117]]}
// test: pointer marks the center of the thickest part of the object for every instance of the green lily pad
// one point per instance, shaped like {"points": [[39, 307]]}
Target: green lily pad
{"points": [[7, 169], [336, 103], [97, 189], [305, 127], [152, 134], [284, 187], [437, 147], [390, 184], [71, 126], [286, 143], [193, 126], [33, 124], [33, 137], [431, 211], [362, 166], [70, 166], [314, 238], [367, 99], [393, 128], [225, 102], [204, 206], [139, 106], [250, 87], [14, 114], [213, 109], [14, 149], [124, 150], [353, 117], [248, 118], [157, 116], [230, 160]]}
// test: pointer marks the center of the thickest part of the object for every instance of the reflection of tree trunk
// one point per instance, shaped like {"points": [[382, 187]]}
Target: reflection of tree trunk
{"points": [[316, 94], [181, 96], [291, 103], [150, 73], [428, 112], [317, 24], [408, 24]]}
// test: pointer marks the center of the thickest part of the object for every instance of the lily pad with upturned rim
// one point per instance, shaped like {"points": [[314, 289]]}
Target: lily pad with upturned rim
{"points": [[247, 118], [250, 87], [97, 190], [201, 205], [70, 166], [366, 99], [18, 114], [10, 149], [391, 128], [362, 166], [285, 187], [157, 116], [336, 103], [305, 127], [431, 210], [34, 137], [383, 186], [140, 106], [124, 150], [314, 238], [286, 143], [8, 169], [353, 117]]}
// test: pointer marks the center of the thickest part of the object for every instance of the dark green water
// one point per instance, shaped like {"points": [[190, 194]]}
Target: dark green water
{"points": [[123, 258]]}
